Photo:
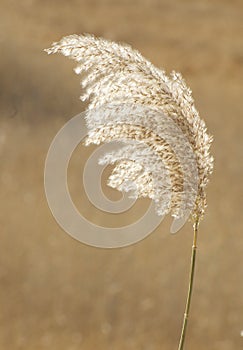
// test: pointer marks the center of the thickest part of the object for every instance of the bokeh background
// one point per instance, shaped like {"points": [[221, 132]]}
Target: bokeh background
{"points": [[57, 293]]}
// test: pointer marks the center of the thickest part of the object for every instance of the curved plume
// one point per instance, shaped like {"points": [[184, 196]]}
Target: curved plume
{"points": [[166, 153]]}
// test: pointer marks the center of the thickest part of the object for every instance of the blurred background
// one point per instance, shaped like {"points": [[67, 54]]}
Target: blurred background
{"points": [[57, 293]]}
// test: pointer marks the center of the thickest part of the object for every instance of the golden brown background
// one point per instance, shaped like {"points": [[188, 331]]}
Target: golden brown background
{"points": [[57, 293]]}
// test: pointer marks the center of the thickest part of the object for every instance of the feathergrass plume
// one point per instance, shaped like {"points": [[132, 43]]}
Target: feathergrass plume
{"points": [[132, 100], [166, 148]]}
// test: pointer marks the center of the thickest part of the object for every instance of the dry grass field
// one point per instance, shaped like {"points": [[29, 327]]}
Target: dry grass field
{"points": [[57, 293]]}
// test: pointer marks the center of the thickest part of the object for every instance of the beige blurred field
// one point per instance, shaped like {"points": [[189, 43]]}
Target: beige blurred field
{"points": [[57, 293]]}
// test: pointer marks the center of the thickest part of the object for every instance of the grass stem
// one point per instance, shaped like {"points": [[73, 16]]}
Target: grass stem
{"points": [[190, 286]]}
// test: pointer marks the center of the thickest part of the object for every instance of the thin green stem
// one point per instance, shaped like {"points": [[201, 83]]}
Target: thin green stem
{"points": [[190, 286]]}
